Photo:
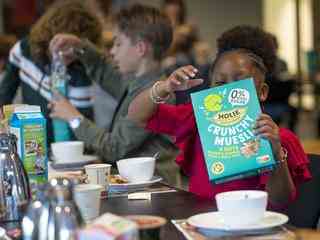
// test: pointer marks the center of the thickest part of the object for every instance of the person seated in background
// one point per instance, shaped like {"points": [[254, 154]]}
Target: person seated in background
{"points": [[30, 61], [141, 37], [281, 87], [183, 49], [243, 52], [6, 43], [104, 103]]}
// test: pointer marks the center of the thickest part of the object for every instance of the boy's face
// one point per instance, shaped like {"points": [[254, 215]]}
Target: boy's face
{"points": [[124, 53], [235, 66]]}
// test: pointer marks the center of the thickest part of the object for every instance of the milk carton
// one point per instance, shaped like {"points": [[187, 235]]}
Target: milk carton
{"points": [[29, 126]]}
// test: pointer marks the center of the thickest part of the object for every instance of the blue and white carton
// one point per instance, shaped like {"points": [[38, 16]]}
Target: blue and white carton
{"points": [[29, 126]]}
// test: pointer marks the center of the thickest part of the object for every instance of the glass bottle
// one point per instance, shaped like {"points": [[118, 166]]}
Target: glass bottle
{"points": [[59, 82]]}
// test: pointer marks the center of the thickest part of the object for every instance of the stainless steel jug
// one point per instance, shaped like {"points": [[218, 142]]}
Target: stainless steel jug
{"points": [[14, 186], [53, 215]]}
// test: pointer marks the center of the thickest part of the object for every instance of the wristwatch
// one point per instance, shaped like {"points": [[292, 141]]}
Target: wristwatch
{"points": [[74, 123]]}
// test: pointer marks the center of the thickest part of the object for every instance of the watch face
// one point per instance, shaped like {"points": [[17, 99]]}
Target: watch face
{"points": [[75, 123]]}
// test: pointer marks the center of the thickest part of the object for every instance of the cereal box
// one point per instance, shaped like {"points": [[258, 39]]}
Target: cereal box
{"points": [[29, 125], [225, 117]]}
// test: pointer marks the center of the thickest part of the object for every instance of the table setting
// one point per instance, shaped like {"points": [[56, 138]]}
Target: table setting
{"points": [[136, 204], [239, 214]]}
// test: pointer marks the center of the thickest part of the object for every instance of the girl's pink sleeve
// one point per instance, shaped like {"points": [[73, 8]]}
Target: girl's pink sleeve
{"points": [[168, 118]]}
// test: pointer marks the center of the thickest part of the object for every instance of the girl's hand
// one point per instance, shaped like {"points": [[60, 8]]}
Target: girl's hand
{"points": [[182, 79], [63, 109], [267, 128], [65, 43]]}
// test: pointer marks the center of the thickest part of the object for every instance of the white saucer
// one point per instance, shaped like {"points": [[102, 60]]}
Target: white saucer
{"points": [[132, 186], [214, 221], [84, 160]]}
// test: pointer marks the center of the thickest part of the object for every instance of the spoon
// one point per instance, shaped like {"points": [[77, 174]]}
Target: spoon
{"points": [[156, 155]]}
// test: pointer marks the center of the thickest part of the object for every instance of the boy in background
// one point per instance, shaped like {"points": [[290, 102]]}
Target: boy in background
{"points": [[141, 37]]}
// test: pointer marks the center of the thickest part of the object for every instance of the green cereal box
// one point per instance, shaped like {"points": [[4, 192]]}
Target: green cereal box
{"points": [[29, 125], [225, 117]]}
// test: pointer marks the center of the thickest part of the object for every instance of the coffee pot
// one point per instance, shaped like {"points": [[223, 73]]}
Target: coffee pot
{"points": [[14, 185], [54, 214]]}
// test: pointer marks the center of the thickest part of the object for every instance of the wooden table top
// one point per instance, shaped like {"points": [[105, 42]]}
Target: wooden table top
{"points": [[173, 205]]}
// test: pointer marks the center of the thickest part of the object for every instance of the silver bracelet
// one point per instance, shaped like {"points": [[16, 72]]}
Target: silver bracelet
{"points": [[284, 157], [154, 95]]}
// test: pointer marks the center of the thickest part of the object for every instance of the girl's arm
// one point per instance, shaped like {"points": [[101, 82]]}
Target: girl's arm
{"points": [[145, 104], [280, 185]]}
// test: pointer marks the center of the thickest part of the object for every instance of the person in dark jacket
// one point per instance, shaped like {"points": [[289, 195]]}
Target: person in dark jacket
{"points": [[29, 60]]}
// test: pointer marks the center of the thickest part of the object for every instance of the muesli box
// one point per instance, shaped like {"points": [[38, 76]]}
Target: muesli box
{"points": [[225, 117], [29, 126]]}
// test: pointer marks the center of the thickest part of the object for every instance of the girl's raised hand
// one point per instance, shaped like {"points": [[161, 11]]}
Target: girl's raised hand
{"points": [[182, 79]]}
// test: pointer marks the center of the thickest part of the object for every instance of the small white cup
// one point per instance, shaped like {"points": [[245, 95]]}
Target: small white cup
{"points": [[67, 152], [87, 198], [99, 174], [239, 208]]}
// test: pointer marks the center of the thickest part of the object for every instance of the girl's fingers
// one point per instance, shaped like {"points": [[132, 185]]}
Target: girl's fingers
{"points": [[263, 129], [267, 135], [56, 43], [190, 71], [260, 123], [174, 80], [194, 82], [182, 76]]}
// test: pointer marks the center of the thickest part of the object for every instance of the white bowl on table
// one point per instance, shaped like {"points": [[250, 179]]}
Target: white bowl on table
{"points": [[68, 151], [140, 169], [244, 207]]}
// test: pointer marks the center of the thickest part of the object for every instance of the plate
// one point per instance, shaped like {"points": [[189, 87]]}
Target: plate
{"points": [[214, 221], [131, 186], [86, 159]]}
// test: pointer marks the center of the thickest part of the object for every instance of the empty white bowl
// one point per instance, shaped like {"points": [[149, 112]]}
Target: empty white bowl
{"points": [[67, 152], [139, 169], [239, 208]]}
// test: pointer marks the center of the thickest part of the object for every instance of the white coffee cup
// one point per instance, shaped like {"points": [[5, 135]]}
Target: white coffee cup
{"points": [[239, 208], [67, 152], [87, 198], [98, 174], [138, 169]]}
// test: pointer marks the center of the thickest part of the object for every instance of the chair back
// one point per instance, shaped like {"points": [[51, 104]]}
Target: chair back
{"points": [[305, 211]]}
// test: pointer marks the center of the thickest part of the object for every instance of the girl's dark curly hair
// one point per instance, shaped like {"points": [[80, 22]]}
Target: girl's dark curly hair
{"points": [[253, 40], [72, 16]]}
